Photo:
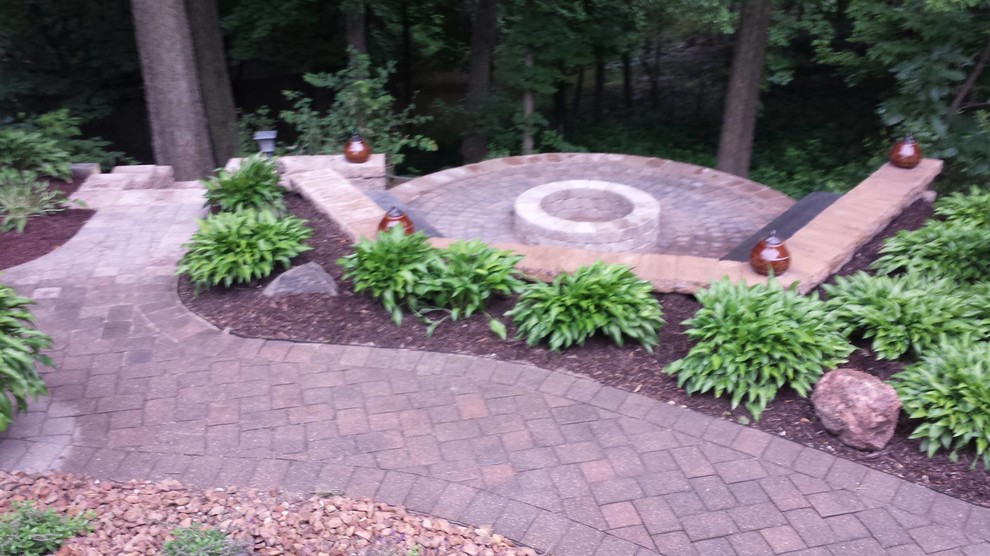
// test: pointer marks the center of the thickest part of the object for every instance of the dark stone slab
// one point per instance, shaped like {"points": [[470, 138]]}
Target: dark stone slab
{"points": [[792, 220]]}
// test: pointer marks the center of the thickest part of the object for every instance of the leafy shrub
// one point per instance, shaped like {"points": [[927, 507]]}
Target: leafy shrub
{"points": [[23, 196], [979, 296], [63, 128], [949, 389], [26, 531], [21, 348], [237, 247], [957, 250], [471, 272], [361, 104], [904, 313], [597, 298], [32, 151], [193, 541], [252, 186], [391, 268], [973, 207], [751, 341]]}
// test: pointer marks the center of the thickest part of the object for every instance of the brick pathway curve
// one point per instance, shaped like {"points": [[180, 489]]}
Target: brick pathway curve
{"points": [[144, 389]]}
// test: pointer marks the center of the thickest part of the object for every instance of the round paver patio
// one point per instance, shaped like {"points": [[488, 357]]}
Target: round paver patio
{"points": [[704, 212]]}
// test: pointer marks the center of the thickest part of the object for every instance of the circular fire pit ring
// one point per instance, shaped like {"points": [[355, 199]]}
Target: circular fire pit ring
{"points": [[588, 214]]}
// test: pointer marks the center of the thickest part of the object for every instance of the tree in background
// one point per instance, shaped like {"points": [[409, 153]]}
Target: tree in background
{"points": [[930, 57], [66, 54], [484, 31], [542, 46], [299, 36], [179, 132], [355, 16], [214, 81], [735, 146]]}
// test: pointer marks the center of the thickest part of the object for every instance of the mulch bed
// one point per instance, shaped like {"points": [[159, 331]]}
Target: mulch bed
{"points": [[43, 234], [357, 319]]}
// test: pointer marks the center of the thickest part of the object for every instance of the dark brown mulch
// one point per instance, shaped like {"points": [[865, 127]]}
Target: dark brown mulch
{"points": [[43, 234], [357, 319]]}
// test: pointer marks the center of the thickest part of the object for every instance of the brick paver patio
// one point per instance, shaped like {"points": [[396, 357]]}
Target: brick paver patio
{"points": [[146, 390]]}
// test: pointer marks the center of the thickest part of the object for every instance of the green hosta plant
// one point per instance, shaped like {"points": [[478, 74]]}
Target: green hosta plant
{"points": [[906, 312], [32, 151], [23, 196], [392, 267], [958, 250], [973, 207], [252, 186], [979, 296], [752, 341], [599, 298], [21, 346], [27, 531], [237, 247], [470, 274], [949, 391], [193, 541]]}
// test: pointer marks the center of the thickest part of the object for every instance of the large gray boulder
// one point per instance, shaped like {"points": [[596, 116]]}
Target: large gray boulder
{"points": [[857, 407], [307, 278]]}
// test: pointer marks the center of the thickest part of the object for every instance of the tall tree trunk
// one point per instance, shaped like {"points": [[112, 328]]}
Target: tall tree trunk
{"points": [[406, 70], [560, 106], [599, 100], [967, 86], [179, 131], [735, 147], [529, 106], [484, 24], [578, 89], [651, 62], [214, 81], [354, 15], [627, 99]]}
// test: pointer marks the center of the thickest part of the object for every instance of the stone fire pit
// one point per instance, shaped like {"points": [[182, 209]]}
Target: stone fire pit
{"points": [[588, 214]]}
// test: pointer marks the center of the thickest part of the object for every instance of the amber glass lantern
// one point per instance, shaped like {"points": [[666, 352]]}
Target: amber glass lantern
{"points": [[395, 217], [356, 149], [768, 254], [905, 153]]}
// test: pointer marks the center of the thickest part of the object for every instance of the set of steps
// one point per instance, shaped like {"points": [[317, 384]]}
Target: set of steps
{"points": [[122, 178], [133, 185]]}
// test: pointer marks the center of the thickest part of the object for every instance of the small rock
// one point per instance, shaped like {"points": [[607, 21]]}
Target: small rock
{"points": [[857, 407], [307, 278]]}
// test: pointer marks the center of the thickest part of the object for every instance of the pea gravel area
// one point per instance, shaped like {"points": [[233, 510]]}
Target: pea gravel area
{"points": [[137, 517]]}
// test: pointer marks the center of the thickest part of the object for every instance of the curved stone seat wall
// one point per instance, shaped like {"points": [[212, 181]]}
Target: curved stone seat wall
{"points": [[818, 249]]}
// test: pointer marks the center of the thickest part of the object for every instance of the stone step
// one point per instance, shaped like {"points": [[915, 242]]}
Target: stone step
{"points": [[107, 182], [85, 169], [148, 176]]}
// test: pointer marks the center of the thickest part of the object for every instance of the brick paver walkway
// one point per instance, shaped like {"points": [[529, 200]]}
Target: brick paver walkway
{"points": [[144, 389]]}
